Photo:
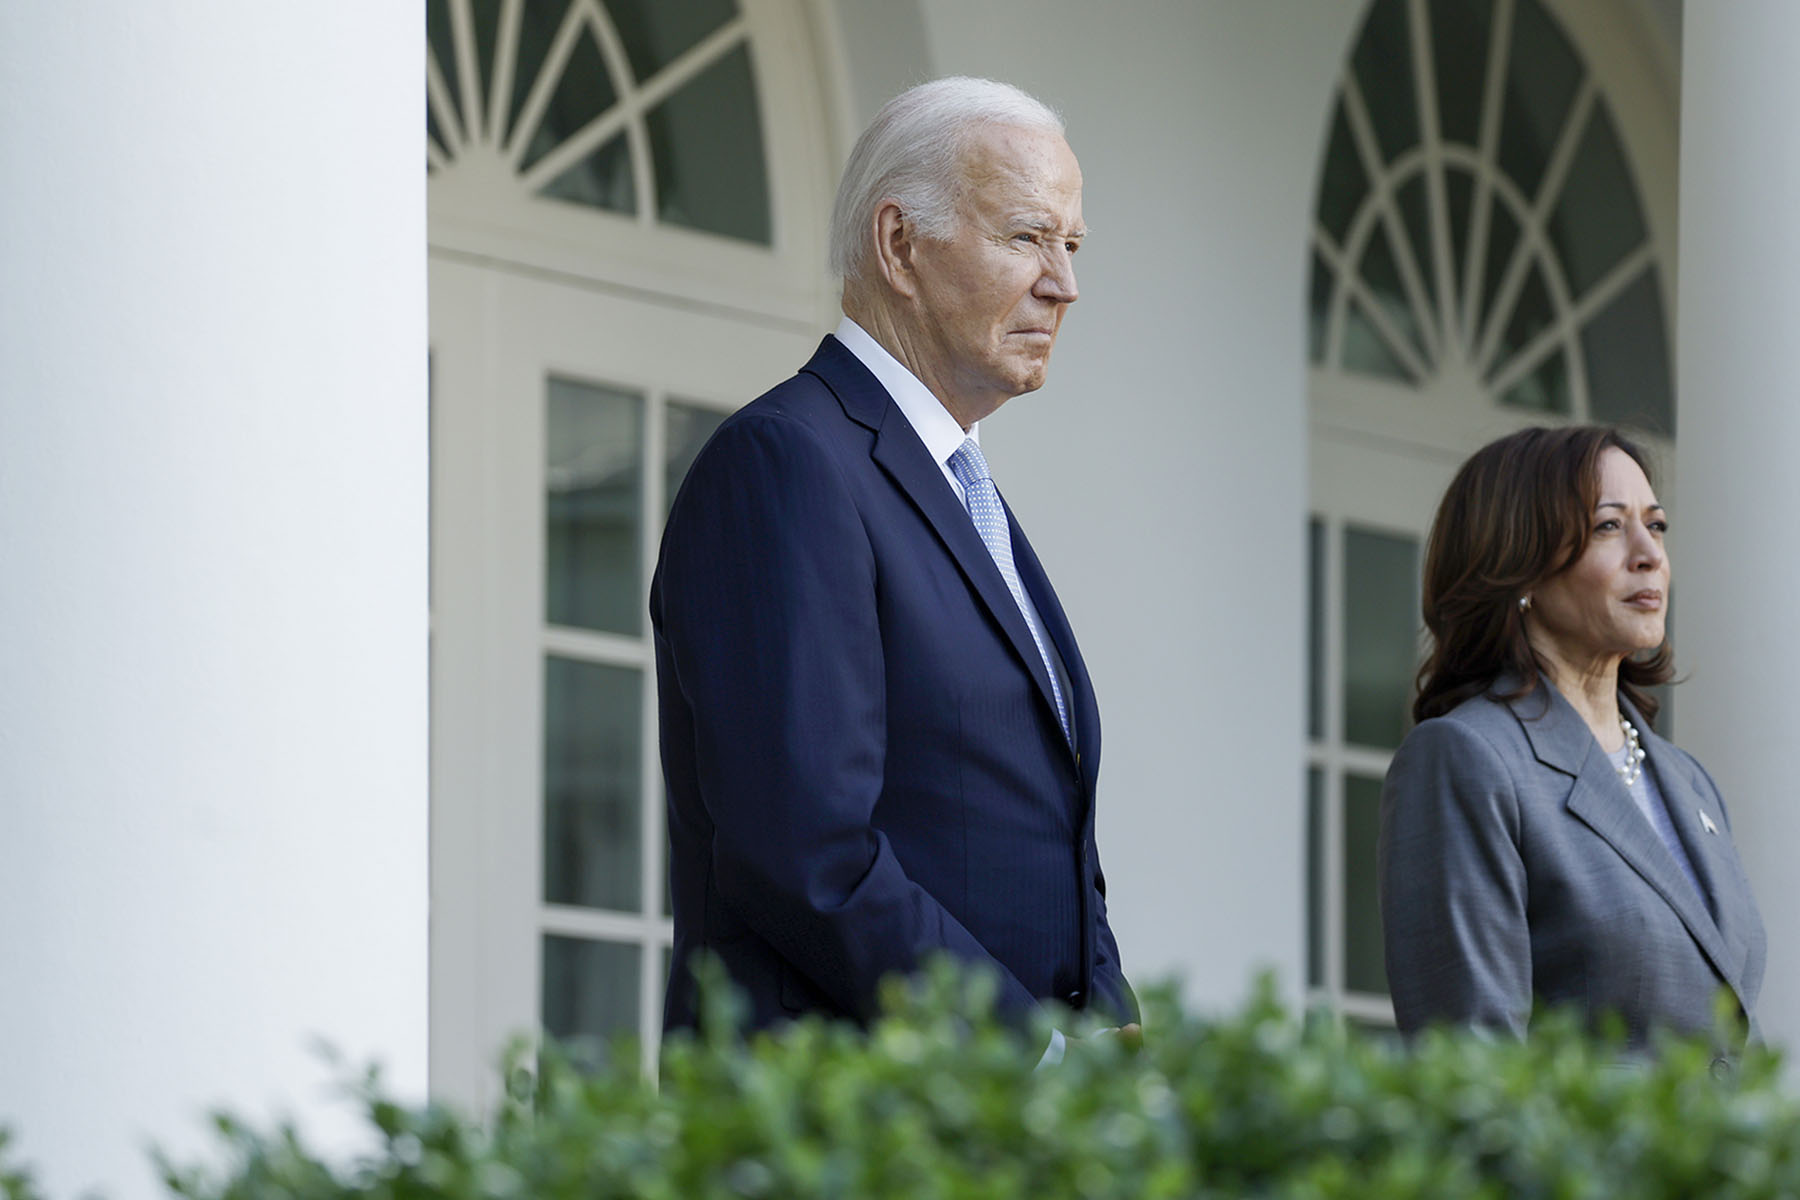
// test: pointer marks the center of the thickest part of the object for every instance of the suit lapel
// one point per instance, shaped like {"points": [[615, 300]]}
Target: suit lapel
{"points": [[1561, 740], [899, 452], [1083, 710], [1712, 854]]}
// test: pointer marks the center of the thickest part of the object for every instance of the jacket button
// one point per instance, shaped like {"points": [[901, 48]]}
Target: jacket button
{"points": [[1075, 999], [1722, 1067]]}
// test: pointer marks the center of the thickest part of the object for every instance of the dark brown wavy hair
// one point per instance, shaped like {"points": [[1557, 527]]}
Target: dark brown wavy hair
{"points": [[1518, 512]]}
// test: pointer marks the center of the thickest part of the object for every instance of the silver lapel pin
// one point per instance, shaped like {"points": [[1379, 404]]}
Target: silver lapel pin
{"points": [[1706, 821]]}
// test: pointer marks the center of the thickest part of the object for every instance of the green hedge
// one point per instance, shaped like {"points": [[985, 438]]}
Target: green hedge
{"points": [[933, 1104]]}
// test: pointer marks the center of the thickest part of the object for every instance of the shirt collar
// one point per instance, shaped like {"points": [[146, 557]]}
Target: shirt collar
{"points": [[923, 411]]}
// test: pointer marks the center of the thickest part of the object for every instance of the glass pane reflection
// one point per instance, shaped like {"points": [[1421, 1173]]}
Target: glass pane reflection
{"points": [[1315, 877], [656, 32], [583, 93], [1460, 31], [1344, 182], [590, 988], [1627, 356], [1382, 274], [1382, 62], [593, 454], [1366, 350], [593, 816], [1597, 220], [1542, 75], [707, 144], [1380, 635], [1364, 966], [600, 180]]}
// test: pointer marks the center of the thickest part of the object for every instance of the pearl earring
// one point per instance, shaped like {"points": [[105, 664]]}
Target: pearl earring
{"points": [[1524, 604]]}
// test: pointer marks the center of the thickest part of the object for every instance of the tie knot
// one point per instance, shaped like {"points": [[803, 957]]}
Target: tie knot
{"points": [[968, 465]]}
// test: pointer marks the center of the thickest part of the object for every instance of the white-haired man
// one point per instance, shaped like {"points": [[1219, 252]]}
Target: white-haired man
{"points": [[878, 735]]}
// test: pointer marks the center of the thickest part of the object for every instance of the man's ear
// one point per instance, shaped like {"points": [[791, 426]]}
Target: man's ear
{"points": [[895, 243]]}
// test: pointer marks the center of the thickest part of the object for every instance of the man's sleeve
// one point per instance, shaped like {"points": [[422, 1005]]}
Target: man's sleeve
{"points": [[768, 611], [1112, 995]]}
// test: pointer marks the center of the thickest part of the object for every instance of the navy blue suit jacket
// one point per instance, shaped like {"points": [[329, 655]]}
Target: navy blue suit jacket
{"points": [[863, 760]]}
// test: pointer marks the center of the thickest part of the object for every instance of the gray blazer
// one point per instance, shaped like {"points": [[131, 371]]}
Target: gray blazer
{"points": [[1514, 865]]}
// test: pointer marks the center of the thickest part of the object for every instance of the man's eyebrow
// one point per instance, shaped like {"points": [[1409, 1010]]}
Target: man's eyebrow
{"points": [[1046, 225]]}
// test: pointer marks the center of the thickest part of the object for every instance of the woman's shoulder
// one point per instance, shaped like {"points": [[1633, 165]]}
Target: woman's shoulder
{"points": [[1486, 716]]}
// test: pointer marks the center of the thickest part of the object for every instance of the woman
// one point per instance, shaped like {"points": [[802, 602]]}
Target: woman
{"points": [[1539, 841]]}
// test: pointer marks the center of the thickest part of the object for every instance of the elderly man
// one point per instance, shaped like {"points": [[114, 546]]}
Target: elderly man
{"points": [[879, 738]]}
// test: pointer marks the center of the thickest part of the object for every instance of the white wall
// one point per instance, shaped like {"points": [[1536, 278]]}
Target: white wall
{"points": [[1162, 472], [212, 603]]}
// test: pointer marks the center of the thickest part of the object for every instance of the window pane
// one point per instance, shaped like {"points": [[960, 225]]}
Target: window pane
{"points": [[1382, 274], [1380, 635], [593, 815], [583, 93], [1597, 219], [656, 32], [1532, 314], [1315, 877], [689, 427], [1627, 354], [1345, 183], [1318, 308], [1364, 969], [1384, 72], [1503, 235], [590, 988], [1415, 215], [1315, 629], [707, 143], [1545, 389], [1365, 350], [441, 38], [1459, 195], [593, 450], [600, 180], [1460, 30], [538, 23], [1542, 75], [486, 14]]}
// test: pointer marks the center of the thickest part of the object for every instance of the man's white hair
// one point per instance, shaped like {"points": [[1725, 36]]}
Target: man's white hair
{"points": [[912, 152]]}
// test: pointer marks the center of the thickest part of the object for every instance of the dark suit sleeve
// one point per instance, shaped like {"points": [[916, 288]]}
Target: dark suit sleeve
{"points": [[1453, 887], [769, 613], [1113, 997]]}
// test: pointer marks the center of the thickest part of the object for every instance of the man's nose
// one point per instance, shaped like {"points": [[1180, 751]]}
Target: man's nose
{"points": [[1058, 279]]}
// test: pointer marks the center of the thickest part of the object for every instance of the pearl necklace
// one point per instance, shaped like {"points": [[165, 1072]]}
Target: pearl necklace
{"points": [[1634, 754]]}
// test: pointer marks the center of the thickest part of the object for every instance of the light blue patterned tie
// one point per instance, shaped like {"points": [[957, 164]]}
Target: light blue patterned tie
{"points": [[983, 501]]}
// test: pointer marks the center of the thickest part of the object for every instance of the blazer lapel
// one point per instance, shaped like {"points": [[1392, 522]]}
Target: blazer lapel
{"points": [[1560, 739], [900, 453], [1711, 852]]}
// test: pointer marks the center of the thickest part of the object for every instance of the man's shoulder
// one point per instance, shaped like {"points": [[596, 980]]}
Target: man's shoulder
{"points": [[820, 392]]}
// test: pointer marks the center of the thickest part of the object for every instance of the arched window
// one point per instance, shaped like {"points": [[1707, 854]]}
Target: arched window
{"points": [[1477, 217], [627, 106], [1484, 256]]}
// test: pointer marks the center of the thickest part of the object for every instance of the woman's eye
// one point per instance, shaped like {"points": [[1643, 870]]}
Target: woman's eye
{"points": [[1606, 526]]}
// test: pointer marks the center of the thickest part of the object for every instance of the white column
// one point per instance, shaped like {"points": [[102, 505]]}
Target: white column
{"points": [[213, 838], [1736, 571]]}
